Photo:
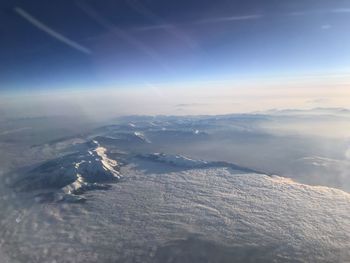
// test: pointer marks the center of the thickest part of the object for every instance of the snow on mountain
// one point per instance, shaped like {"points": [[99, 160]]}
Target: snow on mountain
{"points": [[181, 161], [142, 136], [95, 168], [136, 137], [176, 160], [73, 173]]}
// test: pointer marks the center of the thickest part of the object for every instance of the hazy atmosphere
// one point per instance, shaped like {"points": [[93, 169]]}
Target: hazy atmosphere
{"points": [[174, 131]]}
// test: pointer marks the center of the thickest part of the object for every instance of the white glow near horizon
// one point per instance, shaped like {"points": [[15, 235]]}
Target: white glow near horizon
{"points": [[182, 99]]}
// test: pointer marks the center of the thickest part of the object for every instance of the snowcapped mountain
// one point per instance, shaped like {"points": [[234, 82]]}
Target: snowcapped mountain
{"points": [[195, 212], [74, 173], [176, 160], [193, 189]]}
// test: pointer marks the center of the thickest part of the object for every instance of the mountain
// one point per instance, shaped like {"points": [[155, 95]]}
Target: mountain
{"points": [[72, 174]]}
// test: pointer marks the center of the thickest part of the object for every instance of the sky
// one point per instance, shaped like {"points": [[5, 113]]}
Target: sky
{"points": [[166, 47]]}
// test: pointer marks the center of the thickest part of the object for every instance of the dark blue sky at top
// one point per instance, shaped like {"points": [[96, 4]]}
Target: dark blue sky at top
{"points": [[135, 42]]}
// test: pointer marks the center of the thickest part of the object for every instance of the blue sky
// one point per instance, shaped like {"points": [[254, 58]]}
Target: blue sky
{"points": [[87, 44]]}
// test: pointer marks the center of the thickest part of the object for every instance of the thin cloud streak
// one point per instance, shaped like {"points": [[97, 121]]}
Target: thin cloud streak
{"points": [[318, 12], [155, 27], [242, 18], [157, 20], [341, 10], [229, 18], [41, 26], [123, 35]]}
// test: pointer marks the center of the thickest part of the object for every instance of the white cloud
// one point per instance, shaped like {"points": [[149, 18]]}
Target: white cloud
{"points": [[41, 26], [229, 18], [326, 27], [341, 10]]}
